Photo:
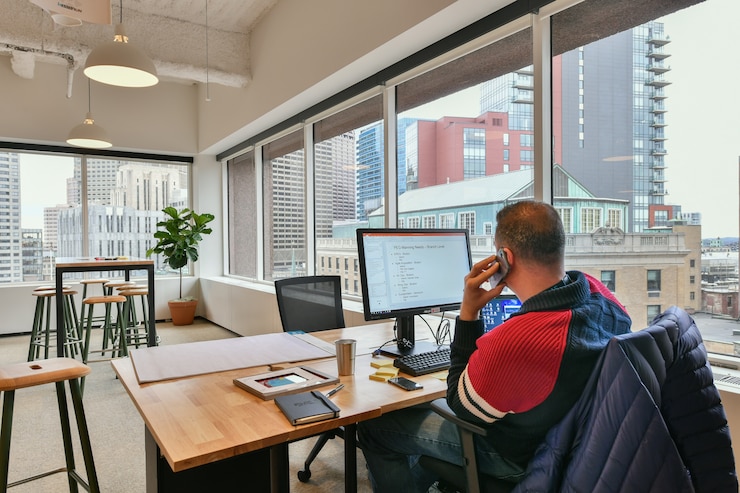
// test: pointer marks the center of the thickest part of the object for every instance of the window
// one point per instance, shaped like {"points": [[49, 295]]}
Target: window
{"points": [[652, 312], [608, 278], [467, 221], [447, 220], [117, 216], [615, 218], [429, 222], [566, 216], [653, 280], [284, 191], [608, 192], [474, 152], [590, 219]]}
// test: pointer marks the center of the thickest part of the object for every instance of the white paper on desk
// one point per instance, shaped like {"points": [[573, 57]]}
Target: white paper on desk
{"points": [[153, 364]]}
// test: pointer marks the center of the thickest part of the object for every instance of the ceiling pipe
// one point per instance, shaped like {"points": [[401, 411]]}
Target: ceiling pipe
{"points": [[23, 61]]}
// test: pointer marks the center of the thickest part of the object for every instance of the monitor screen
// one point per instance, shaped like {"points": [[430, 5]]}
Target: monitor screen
{"points": [[499, 309], [407, 272]]}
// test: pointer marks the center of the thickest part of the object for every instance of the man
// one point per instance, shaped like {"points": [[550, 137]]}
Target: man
{"points": [[519, 379]]}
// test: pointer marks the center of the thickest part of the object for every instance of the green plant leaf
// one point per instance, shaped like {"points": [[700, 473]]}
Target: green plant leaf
{"points": [[178, 236]]}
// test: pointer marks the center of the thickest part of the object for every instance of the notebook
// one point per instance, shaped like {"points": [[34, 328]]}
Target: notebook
{"points": [[306, 407]]}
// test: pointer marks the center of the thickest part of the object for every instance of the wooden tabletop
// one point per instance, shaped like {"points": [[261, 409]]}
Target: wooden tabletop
{"points": [[205, 418], [67, 262]]}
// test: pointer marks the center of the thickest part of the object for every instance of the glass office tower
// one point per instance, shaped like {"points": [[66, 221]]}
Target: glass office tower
{"points": [[611, 117]]}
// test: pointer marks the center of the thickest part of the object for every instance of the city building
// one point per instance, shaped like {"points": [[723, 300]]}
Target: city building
{"points": [[11, 261], [460, 148], [609, 125], [370, 181], [33, 255], [473, 204]]}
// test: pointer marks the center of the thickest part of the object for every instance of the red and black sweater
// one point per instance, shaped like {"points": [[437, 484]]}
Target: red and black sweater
{"points": [[522, 377]]}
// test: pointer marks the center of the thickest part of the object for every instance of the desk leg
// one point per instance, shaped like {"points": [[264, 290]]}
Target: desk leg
{"points": [[61, 330], [152, 319], [279, 468], [350, 458], [151, 456]]}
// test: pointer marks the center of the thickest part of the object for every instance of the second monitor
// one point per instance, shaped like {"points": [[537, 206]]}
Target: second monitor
{"points": [[409, 272]]}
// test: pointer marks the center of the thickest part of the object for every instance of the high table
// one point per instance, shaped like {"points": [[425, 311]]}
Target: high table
{"points": [[204, 419], [74, 264]]}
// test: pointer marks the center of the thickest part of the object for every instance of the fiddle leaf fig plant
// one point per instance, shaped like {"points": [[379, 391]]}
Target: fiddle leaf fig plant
{"points": [[178, 236]]}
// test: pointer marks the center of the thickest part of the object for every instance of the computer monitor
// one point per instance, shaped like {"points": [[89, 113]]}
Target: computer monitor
{"points": [[499, 309], [409, 272]]}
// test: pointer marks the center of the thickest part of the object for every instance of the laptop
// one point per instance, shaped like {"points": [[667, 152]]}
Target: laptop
{"points": [[499, 309]]}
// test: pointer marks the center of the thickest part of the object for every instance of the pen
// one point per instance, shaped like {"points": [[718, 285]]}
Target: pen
{"points": [[335, 390]]}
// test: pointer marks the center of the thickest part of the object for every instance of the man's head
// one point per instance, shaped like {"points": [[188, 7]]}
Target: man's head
{"points": [[531, 233]]}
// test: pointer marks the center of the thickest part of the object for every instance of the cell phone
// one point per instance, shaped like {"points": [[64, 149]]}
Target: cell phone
{"points": [[405, 383], [503, 268]]}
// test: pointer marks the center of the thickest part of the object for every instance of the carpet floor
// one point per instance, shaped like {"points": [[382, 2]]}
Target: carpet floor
{"points": [[117, 430]]}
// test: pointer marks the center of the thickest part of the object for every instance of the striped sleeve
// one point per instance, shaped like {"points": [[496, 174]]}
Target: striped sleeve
{"points": [[515, 366]]}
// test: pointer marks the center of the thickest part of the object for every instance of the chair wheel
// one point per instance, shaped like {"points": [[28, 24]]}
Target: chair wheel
{"points": [[304, 476]]}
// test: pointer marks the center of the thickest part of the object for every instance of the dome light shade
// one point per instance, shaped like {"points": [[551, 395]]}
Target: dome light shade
{"points": [[87, 134], [119, 63]]}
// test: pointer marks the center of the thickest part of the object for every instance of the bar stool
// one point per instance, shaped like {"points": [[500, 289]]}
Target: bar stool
{"points": [[113, 330], [42, 332], [108, 290], [109, 286], [91, 282], [57, 371], [136, 333]]}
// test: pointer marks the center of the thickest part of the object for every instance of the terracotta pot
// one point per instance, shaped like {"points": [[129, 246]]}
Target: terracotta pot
{"points": [[182, 312]]}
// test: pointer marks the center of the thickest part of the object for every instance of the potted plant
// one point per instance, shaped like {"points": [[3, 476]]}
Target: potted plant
{"points": [[177, 237]]}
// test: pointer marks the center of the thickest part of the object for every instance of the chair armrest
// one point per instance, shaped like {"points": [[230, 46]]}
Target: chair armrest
{"points": [[441, 407]]}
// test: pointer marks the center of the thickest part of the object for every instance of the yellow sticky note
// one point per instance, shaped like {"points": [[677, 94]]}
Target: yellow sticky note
{"points": [[379, 378], [388, 371], [381, 362]]}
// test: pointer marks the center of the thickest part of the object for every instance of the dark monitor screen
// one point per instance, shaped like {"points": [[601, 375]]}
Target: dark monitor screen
{"points": [[499, 309], [408, 272]]}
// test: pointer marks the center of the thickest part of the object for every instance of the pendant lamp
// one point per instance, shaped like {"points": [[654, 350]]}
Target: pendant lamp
{"points": [[88, 134], [119, 63]]}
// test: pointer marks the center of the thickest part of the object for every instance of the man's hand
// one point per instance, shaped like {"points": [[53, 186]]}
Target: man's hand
{"points": [[475, 296]]}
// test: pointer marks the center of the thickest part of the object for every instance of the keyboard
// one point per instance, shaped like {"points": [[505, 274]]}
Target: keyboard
{"points": [[423, 363]]}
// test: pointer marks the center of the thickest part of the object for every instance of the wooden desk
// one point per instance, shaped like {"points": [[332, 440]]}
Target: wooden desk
{"points": [[72, 264], [206, 418]]}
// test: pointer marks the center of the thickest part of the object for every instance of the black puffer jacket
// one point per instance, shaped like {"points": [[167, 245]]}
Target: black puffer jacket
{"points": [[650, 420]]}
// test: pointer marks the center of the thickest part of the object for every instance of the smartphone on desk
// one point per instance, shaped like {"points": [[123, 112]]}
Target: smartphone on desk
{"points": [[405, 383]]}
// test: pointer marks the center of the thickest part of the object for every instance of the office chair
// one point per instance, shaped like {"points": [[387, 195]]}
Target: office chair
{"points": [[653, 383], [310, 304]]}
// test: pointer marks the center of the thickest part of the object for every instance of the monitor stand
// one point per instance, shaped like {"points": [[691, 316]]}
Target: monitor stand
{"points": [[406, 340]]}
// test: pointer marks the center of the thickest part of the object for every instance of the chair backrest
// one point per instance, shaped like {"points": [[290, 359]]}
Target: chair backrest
{"points": [[310, 303]]}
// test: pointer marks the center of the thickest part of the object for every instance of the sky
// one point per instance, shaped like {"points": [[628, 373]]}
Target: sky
{"points": [[703, 131]]}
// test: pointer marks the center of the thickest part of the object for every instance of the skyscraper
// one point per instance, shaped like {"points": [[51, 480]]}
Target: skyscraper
{"points": [[370, 161], [11, 262], [611, 116]]}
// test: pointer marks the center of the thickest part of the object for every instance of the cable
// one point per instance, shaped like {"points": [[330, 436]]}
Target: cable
{"points": [[379, 350]]}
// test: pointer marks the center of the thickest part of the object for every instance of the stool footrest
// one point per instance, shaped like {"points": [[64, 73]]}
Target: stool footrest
{"points": [[38, 476]]}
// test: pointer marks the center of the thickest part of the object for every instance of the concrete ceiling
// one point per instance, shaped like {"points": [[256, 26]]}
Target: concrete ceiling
{"points": [[171, 32]]}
